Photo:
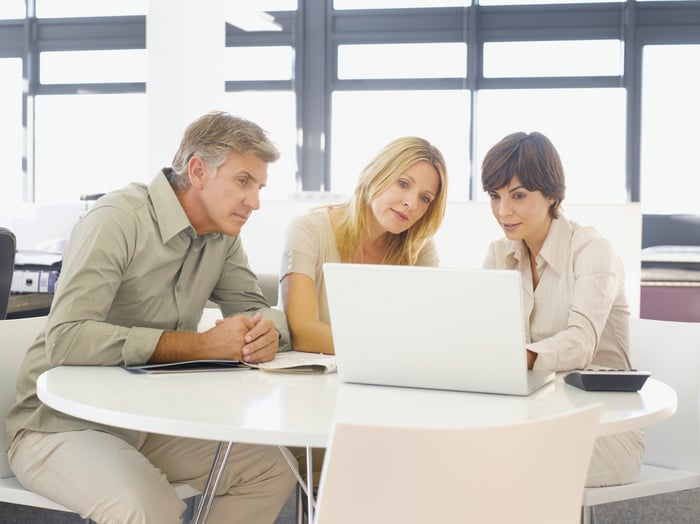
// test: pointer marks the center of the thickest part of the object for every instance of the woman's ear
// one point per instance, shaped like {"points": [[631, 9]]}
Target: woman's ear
{"points": [[554, 207]]}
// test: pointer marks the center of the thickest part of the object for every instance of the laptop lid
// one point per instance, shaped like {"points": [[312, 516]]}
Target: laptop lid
{"points": [[430, 327]]}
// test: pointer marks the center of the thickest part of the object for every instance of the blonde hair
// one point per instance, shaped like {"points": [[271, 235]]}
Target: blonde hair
{"points": [[395, 158]]}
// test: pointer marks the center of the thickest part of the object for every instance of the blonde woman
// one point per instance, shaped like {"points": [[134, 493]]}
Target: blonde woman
{"points": [[397, 206]]}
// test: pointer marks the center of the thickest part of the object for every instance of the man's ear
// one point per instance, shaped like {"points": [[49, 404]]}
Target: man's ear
{"points": [[196, 171]]}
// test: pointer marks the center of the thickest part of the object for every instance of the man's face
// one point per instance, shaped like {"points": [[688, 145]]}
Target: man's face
{"points": [[231, 193]]}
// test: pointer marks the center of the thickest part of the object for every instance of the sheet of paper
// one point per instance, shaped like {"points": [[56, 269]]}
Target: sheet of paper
{"points": [[300, 361]]}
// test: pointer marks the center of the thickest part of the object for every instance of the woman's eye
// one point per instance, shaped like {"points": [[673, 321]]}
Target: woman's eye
{"points": [[519, 196], [403, 183], [493, 196], [426, 199]]}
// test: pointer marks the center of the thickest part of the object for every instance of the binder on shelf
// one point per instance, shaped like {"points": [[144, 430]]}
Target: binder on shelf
{"points": [[34, 280], [36, 271]]}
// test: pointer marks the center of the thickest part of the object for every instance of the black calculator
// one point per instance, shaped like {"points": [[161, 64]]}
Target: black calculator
{"points": [[607, 379]]}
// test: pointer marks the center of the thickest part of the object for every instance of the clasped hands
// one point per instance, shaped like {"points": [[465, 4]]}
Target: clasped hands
{"points": [[252, 339]]}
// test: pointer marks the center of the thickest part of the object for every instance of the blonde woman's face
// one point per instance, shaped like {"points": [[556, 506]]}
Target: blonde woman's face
{"points": [[406, 199]]}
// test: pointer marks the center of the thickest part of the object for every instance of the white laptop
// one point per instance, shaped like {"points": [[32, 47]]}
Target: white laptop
{"points": [[430, 327]]}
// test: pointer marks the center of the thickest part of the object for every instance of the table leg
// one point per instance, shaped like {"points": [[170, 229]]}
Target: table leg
{"points": [[207, 497], [310, 481]]}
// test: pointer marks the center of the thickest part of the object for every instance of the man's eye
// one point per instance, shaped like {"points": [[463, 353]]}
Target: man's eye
{"points": [[243, 181]]}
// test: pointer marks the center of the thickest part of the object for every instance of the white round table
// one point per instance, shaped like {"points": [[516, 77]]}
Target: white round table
{"points": [[284, 409]]}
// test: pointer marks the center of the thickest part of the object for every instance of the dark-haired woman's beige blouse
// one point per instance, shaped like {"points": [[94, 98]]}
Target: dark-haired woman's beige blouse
{"points": [[579, 314]]}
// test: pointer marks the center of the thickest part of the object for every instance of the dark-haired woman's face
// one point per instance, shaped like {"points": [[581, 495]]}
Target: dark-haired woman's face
{"points": [[523, 215]]}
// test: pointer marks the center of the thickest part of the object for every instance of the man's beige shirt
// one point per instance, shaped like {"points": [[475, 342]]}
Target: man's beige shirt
{"points": [[133, 268]]}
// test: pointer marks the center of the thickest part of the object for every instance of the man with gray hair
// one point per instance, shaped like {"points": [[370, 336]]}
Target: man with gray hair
{"points": [[137, 272]]}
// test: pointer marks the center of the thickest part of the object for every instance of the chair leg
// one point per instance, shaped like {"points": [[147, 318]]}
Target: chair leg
{"points": [[191, 503], [300, 504], [588, 515]]}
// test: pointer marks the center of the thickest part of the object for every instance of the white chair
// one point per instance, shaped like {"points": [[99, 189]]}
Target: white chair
{"points": [[671, 351], [533, 472], [16, 336]]}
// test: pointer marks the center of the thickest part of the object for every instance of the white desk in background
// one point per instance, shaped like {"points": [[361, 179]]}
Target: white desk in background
{"points": [[259, 407]]}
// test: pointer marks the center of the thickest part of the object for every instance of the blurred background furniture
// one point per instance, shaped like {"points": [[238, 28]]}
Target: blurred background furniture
{"points": [[8, 249], [670, 274], [23, 305]]}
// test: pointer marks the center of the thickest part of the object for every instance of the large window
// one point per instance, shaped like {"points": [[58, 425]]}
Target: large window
{"points": [[612, 83], [11, 132], [89, 144], [670, 179], [554, 58], [275, 111], [365, 121], [87, 8], [93, 67], [587, 126]]}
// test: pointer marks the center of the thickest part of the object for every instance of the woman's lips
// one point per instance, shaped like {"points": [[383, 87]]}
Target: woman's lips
{"points": [[399, 215]]}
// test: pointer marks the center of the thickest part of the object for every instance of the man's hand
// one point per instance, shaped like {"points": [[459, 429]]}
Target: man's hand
{"points": [[253, 339], [261, 342]]}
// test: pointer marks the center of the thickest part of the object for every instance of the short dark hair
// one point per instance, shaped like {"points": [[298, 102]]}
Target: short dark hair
{"points": [[533, 159]]}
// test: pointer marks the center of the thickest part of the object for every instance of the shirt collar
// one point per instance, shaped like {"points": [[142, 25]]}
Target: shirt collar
{"points": [[515, 249], [555, 248], [169, 215]]}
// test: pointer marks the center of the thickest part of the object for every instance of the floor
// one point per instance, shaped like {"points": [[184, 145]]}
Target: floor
{"points": [[675, 508], [12, 514]]}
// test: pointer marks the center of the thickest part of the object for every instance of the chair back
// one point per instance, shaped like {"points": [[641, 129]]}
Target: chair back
{"points": [[532, 472], [671, 351], [16, 336], [8, 249]]}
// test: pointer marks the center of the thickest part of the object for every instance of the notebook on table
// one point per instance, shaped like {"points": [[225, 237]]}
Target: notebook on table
{"points": [[430, 327]]}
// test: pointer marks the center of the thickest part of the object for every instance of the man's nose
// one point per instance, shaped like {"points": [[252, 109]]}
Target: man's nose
{"points": [[253, 200]]}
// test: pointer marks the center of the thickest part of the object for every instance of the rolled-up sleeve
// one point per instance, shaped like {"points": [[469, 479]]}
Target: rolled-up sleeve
{"points": [[79, 331]]}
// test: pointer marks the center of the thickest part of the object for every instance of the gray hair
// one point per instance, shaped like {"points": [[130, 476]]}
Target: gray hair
{"points": [[213, 137]]}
